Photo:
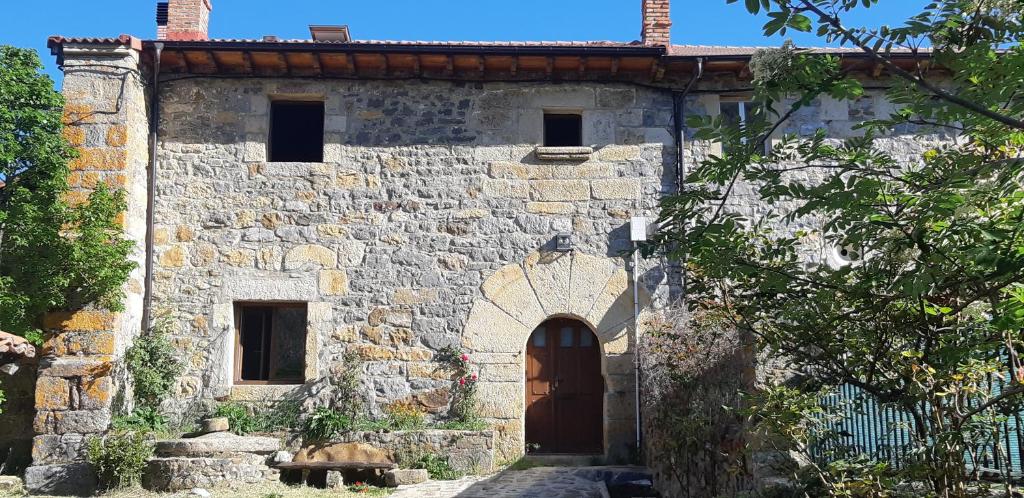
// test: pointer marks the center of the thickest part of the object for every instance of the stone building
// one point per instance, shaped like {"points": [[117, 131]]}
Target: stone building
{"points": [[296, 199]]}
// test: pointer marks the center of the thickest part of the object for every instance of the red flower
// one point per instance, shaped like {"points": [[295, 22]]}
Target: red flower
{"points": [[462, 381], [473, 376], [465, 357]]}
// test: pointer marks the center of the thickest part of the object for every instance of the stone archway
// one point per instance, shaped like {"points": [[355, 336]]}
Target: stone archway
{"points": [[519, 297]]}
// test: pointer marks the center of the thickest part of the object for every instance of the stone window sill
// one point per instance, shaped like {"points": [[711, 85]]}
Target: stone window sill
{"points": [[257, 392], [564, 153]]}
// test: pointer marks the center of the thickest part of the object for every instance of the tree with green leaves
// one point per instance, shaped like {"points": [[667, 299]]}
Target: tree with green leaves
{"points": [[926, 314], [53, 255]]}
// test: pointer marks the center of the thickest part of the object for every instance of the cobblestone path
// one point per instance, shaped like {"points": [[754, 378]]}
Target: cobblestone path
{"points": [[538, 482]]}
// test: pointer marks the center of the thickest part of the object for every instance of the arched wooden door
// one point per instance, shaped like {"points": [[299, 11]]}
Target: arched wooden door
{"points": [[564, 389]]}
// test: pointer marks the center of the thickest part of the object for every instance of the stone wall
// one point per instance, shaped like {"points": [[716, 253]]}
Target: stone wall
{"points": [[471, 452], [427, 190], [80, 385]]}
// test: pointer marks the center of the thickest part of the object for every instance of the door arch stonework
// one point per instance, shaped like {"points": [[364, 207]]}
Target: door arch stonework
{"points": [[519, 297]]}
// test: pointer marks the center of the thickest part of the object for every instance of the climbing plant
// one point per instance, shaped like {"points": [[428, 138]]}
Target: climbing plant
{"points": [[463, 407]]}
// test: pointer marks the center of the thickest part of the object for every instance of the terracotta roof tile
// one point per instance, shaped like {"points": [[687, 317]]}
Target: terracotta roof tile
{"points": [[10, 343], [734, 51]]}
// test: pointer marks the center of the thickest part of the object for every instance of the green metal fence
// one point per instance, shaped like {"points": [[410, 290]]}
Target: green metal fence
{"points": [[883, 432]]}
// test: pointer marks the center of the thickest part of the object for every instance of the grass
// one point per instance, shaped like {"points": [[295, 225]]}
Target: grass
{"points": [[263, 490]]}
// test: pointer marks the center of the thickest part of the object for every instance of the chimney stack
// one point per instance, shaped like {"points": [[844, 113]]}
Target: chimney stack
{"points": [[657, 28], [183, 20]]}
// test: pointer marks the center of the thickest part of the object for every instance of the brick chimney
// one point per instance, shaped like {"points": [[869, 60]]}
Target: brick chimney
{"points": [[183, 20], [657, 28]]}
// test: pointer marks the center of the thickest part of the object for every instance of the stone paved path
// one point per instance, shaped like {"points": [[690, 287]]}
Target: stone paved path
{"points": [[538, 482]]}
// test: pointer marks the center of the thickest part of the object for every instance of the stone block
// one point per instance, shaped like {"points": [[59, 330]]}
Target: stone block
{"points": [[11, 486], [562, 208], [414, 296], [333, 282], [599, 128], [74, 479], [510, 189], [589, 276], [79, 320], [568, 97], [832, 109], [53, 393], [405, 477], [624, 188], [500, 399], [616, 98], [310, 254], [559, 190], [215, 424], [510, 289], [491, 330], [173, 257], [614, 305], [549, 275]]}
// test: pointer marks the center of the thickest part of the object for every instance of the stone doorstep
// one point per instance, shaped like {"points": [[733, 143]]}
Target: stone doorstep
{"points": [[11, 485]]}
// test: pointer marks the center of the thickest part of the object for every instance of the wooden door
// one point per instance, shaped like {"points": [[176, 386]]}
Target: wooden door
{"points": [[564, 389]]}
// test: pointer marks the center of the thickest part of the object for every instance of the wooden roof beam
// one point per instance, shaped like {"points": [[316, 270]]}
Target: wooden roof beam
{"points": [[514, 68], [615, 66], [417, 65], [217, 66], [550, 68], [318, 65], [247, 61], [449, 65], [188, 65]]}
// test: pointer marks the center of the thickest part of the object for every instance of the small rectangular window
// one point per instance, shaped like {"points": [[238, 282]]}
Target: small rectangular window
{"points": [[296, 132], [271, 345], [739, 111], [563, 130]]}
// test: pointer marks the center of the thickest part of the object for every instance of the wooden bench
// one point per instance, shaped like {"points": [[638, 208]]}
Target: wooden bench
{"points": [[309, 467]]}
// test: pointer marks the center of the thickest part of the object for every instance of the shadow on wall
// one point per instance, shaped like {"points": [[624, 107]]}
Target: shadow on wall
{"points": [[16, 420]]}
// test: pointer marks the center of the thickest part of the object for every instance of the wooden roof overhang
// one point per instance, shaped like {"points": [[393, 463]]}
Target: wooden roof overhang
{"points": [[484, 62], [851, 60]]}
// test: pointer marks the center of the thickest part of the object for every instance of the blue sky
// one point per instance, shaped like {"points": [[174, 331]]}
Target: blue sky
{"points": [[699, 22]]}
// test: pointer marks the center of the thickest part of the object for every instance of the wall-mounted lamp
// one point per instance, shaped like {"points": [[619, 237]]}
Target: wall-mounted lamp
{"points": [[563, 242]]}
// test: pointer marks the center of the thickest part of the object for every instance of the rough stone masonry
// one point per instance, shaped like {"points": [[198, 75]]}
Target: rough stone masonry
{"points": [[426, 190]]}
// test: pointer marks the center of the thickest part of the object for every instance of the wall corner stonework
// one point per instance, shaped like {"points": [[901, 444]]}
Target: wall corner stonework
{"points": [[80, 383]]}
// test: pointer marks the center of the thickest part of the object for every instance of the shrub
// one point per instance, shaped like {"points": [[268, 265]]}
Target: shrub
{"points": [[240, 420], [153, 364], [475, 424], [119, 459], [437, 466], [145, 419], [326, 423], [404, 416]]}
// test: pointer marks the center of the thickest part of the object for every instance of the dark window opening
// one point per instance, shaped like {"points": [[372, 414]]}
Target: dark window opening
{"points": [[563, 130], [271, 347], [297, 132]]}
